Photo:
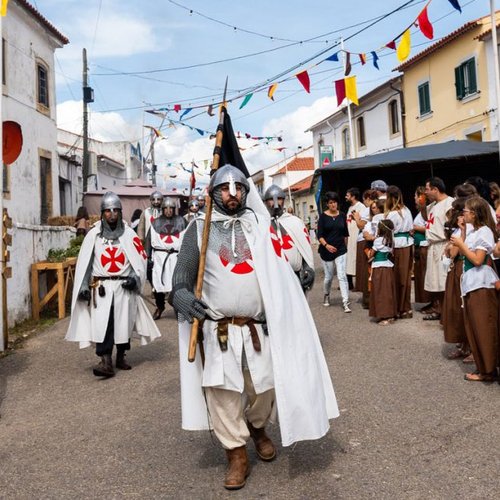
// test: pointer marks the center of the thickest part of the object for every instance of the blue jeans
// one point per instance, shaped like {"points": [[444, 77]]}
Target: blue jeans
{"points": [[340, 265]]}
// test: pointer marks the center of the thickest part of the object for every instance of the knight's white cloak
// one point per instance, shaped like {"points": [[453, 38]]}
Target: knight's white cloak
{"points": [[300, 236], [85, 327], [305, 397]]}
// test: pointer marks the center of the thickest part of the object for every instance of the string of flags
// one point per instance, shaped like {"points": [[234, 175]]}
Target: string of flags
{"points": [[400, 44], [3, 8]]}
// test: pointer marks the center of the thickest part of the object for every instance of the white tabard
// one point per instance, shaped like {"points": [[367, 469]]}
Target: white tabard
{"points": [[165, 248], [110, 260], [435, 275], [352, 244], [230, 288]]}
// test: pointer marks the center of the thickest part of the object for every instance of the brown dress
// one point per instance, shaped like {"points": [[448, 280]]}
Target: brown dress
{"points": [[452, 313], [419, 268], [403, 260], [362, 272], [383, 293]]}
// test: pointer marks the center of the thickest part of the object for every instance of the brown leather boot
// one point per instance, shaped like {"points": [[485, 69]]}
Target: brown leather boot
{"points": [[120, 361], [238, 469], [263, 445], [105, 367]]}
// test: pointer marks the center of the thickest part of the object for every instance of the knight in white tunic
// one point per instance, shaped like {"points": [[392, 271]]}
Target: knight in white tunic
{"points": [[193, 211], [262, 353], [162, 246], [109, 276], [293, 236], [150, 214]]}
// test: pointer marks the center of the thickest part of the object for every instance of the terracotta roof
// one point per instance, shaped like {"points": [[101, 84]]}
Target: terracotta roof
{"points": [[44, 21], [301, 185], [482, 36], [440, 43], [297, 164]]}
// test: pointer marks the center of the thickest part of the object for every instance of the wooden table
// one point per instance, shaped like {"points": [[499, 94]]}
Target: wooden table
{"points": [[64, 273]]}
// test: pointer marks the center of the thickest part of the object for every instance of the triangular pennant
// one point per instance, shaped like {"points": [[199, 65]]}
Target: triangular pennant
{"points": [[456, 5], [425, 25], [351, 91], [375, 59], [210, 110], [333, 57], [245, 100], [348, 66], [303, 78], [201, 132], [271, 91], [404, 47], [4, 8], [340, 91], [362, 59], [391, 45], [177, 107], [187, 110]]}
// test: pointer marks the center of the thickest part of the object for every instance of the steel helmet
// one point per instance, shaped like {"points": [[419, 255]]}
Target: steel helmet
{"points": [[110, 201], [228, 174]]}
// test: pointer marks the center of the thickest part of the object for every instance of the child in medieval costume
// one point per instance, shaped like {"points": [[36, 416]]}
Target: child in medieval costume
{"points": [[383, 302], [291, 233], [162, 247], [262, 352], [110, 274]]}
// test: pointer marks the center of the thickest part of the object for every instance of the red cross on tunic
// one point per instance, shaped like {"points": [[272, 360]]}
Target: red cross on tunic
{"points": [[169, 237], [139, 247], [429, 221], [276, 241], [308, 237], [112, 259]]}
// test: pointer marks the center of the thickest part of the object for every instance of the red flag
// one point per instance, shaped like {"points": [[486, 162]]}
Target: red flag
{"points": [[193, 180], [391, 45], [424, 24], [303, 78], [340, 91], [362, 58], [177, 107]]}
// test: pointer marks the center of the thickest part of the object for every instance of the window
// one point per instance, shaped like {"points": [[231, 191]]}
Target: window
{"points": [[45, 189], [424, 98], [346, 143], [394, 117], [6, 179], [361, 132], [43, 85], [465, 79]]}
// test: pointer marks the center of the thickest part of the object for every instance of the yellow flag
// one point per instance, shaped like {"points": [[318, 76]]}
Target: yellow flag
{"points": [[4, 7], [271, 91], [350, 89], [403, 50]]}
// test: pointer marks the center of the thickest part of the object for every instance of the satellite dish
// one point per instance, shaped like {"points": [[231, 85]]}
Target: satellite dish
{"points": [[12, 141]]}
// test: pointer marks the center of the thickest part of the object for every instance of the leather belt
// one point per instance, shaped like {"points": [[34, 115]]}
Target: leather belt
{"points": [[223, 329]]}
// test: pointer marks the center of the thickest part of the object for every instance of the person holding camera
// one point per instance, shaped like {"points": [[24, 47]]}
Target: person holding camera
{"points": [[110, 274]]}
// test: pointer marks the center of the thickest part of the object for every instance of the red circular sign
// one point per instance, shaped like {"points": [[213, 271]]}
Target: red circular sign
{"points": [[12, 141]]}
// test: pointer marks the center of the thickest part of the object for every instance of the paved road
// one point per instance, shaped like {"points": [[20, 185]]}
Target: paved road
{"points": [[410, 426]]}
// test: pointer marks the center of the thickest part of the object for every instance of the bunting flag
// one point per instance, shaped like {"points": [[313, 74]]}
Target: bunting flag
{"points": [[177, 107], [362, 59], [210, 110], [375, 59], [192, 181], [456, 5], [348, 66], [424, 24], [391, 45], [201, 132], [187, 110], [271, 91], [4, 7], [155, 130], [245, 100], [333, 57], [303, 78], [404, 47], [346, 88]]}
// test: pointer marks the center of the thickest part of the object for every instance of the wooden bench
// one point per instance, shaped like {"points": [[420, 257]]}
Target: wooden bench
{"points": [[63, 272]]}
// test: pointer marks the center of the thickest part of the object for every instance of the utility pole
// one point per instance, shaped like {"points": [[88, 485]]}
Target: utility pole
{"points": [[352, 150], [153, 164], [494, 42], [85, 165]]}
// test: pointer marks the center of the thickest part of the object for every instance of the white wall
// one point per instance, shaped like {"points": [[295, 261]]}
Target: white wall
{"points": [[492, 104]]}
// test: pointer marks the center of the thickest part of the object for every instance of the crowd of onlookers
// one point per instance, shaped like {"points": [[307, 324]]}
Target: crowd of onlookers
{"points": [[450, 249]]}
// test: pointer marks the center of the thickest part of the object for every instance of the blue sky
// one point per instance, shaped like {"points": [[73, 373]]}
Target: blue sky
{"points": [[129, 36]]}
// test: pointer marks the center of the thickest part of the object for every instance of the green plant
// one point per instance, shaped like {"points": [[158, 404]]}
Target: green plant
{"points": [[61, 254]]}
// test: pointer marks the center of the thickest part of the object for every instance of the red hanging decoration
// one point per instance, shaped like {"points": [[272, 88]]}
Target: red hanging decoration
{"points": [[303, 78], [425, 25], [177, 107], [391, 45]]}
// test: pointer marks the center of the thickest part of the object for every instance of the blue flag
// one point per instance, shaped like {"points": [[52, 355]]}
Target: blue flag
{"points": [[456, 5], [333, 57], [375, 59]]}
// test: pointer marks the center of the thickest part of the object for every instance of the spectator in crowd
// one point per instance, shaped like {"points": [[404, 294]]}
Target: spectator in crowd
{"points": [[82, 224], [380, 187], [355, 207], [136, 217]]}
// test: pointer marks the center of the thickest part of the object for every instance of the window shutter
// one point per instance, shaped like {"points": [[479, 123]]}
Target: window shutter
{"points": [[459, 82], [421, 99], [471, 71]]}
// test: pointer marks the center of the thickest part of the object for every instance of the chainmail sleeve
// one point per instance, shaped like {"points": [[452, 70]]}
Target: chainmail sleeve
{"points": [[88, 275]]}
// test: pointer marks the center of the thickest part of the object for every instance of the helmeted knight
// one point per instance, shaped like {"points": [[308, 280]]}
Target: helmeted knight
{"points": [[193, 210], [150, 214], [162, 246], [262, 353], [110, 274], [291, 233]]}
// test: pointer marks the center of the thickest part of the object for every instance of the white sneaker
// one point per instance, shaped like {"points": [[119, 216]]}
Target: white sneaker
{"points": [[326, 300], [346, 307]]}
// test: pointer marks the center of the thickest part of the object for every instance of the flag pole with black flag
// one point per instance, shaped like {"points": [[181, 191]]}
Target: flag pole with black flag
{"points": [[226, 151]]}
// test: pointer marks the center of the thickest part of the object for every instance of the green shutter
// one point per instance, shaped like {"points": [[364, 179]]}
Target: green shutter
{"points": [[421, 99], [470, 67], [459, 82], [424, 99]]}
